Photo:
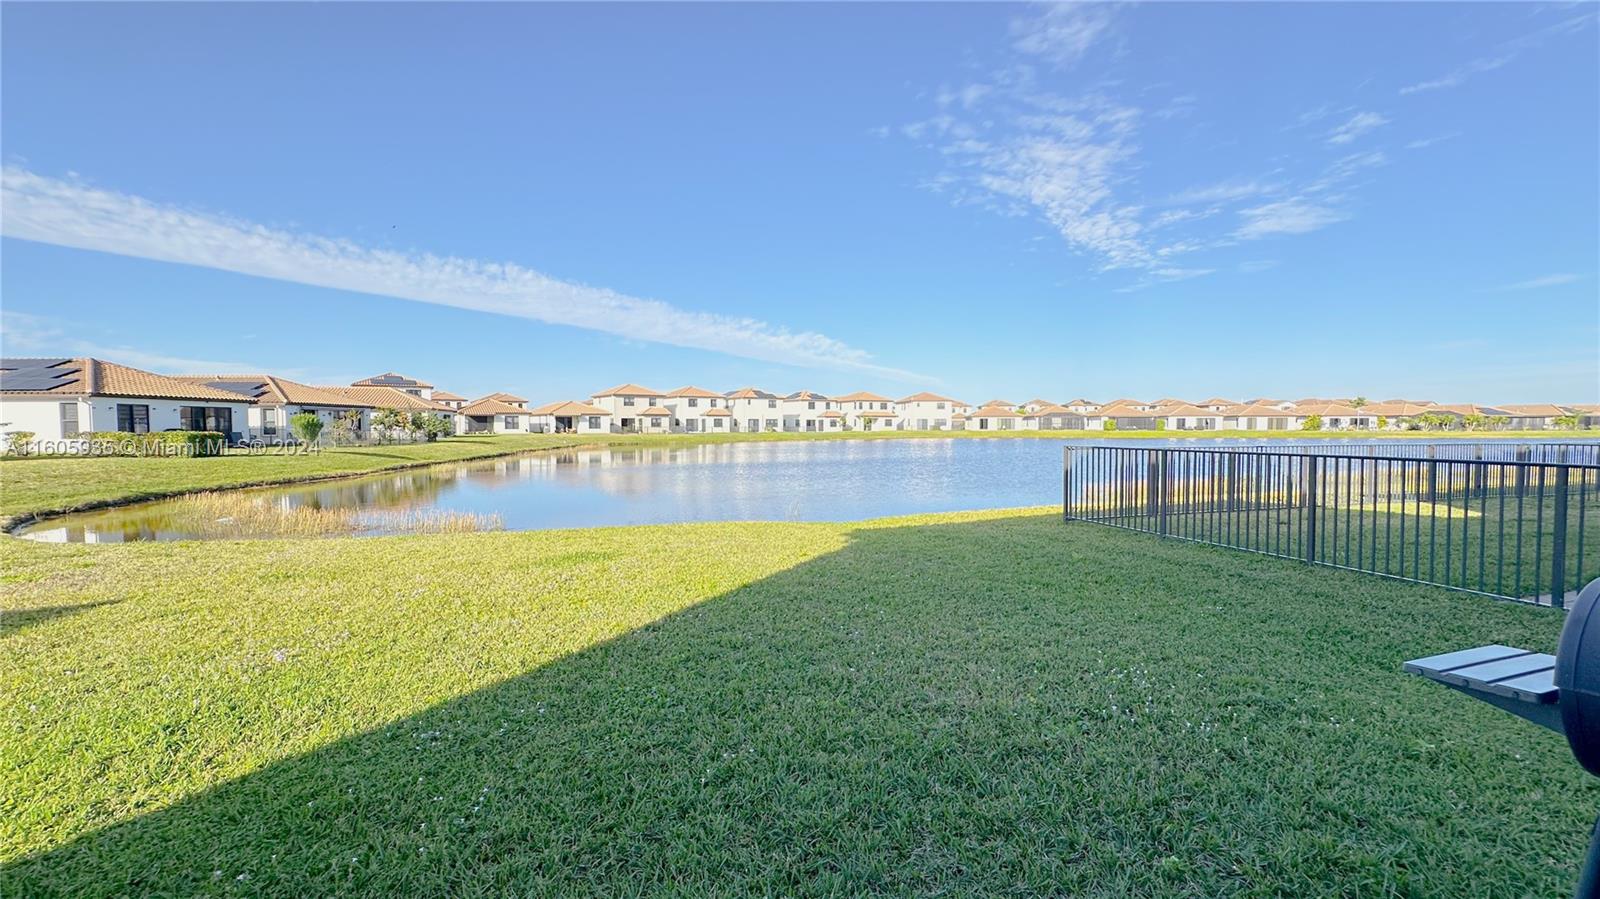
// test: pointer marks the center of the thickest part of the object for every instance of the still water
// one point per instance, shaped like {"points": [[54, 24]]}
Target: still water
{"points": [[836, 480]]}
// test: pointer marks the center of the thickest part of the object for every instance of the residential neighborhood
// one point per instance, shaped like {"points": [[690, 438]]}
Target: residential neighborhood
{"points": [[57, 398]]}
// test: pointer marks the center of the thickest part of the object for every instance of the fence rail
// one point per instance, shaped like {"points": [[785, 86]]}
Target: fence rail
{"points": [[1511, 523]]}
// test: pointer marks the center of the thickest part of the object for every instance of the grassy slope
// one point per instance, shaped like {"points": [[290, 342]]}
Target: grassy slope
{"points": [[60, 484], [977, 703]]}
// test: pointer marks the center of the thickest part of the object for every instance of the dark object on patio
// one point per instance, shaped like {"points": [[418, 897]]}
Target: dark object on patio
{"points": [[1561, 692]]}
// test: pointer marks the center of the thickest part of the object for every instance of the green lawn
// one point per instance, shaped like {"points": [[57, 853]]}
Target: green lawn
{"points": [[39, 485], [967, 704]]}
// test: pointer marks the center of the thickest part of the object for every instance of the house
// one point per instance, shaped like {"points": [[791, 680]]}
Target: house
{"points": [[277, 400], [1082, 406], [398, 382], [1397, 414], [565, 417], [1190, 417], [753, 411], [1053, 417], [488, 415], [804, 410], [654, 420], [1335, 416], [995, 418], [926, 412], [448, 400], [689, 406], [1035, 404], [1266, 416], [1531, 416], [1125, 415], [1217, 404], [855, 407], [510, 399], [57, 398], [628, 403]]}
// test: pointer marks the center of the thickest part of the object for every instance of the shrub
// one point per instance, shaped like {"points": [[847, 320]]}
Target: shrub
{"points": [[1568, 422], [1161, 424], [307, 426], [1383, 422], [157, 443], [1110, 424], [1312, 423], [346, 428], [430, 426], [388, 424], [19, 442]]}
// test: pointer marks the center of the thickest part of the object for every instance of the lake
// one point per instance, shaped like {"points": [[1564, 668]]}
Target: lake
{"points": [[833, 480]]}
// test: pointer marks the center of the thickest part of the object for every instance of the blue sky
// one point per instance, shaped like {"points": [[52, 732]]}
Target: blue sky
{"points": [[985, 200]]}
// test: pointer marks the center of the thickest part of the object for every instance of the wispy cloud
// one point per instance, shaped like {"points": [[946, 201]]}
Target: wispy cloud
{"points": [[1357, 125], [1502, 55], [1423, 143], [1555, 280], [1062, 33], [24, 334], [1295, 215], [72, 214]]}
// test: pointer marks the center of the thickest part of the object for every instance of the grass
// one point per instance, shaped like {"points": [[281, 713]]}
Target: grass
{"points": [[37, 486], [963, 704]]}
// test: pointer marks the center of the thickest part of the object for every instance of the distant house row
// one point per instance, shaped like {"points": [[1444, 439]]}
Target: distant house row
{"points": [[54, 398]]}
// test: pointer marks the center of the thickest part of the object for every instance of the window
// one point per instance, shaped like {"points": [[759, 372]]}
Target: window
{"points": [[772, 404], [883, 407], [939, 406], [594, 422], [627, 401], [511, 422], [811, 405], [206, 418], [753, 424], [69, 419], [133, 418], [694, 402], [772, 424], [716, 422], [269, 422], [715, 403]]}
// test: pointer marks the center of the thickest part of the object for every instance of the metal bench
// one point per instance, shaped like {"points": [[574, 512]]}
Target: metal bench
{"points": [[1561, 692]]}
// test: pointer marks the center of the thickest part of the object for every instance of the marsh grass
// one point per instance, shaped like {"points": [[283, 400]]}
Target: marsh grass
{"points": [[253, 515]]}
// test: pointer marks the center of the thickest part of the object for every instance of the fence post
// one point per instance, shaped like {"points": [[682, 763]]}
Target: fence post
{"points": [[1310, 463], [1066, 484], [1522, 471], [1558, 543]]}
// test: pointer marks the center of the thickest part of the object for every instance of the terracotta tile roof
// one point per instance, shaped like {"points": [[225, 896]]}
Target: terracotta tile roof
{"points": [[656, 410], [1006, 403], [1332, 410], [1037, 401], [504, 397], [750, 393], [862, 396], [491, 406], [1533, 410], [1591, 408], [879, 413], [1467, 409], [1257, 410], [1081, 402], [1218, 401], [694, 392], [447, 395], [629, 390], [1189, 410], [716, 413], [272, 390], [97, 377], [387, 398], [391, 379], [831, 414], [1049, 409], [805, 395], [995, 412], [562, 408], [926, 397]]}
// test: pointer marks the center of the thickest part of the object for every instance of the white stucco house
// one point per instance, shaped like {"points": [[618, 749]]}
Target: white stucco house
{"points": [[448, 400], [995, 418], [805, 410], [279, 399], [630, 406], [58, 398], [568, 417], [486, 415], [864, 410], [926, 412], [755, 411], [689, 406], [399, 382]]}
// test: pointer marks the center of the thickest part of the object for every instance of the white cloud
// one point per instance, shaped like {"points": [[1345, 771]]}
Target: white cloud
{"points": [[1425, 142], [72, 214], [1504, 54], [1224, 191], [1555, 280], [1064, 32], [1358, 124], [22, 334], [1292, 216]]}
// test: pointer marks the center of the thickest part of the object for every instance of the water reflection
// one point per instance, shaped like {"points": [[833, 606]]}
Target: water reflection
{"points": [[793, 481]]}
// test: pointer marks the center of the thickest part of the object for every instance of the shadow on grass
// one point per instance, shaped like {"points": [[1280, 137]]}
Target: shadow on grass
{"points": [[1005, 706], [15, 620]]}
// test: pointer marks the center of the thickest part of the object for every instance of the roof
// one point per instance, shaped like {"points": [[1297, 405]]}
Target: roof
{"points": [[995, 412], [1126, 409], [491, 406], [926, 397], [862, 396], [1258, 410], [717, 413], [1545, 410], [805, 395], [695, 392], [1189, 410], [28, 376], [1049, 409], [1007, 403], [1343, 410], [504, 397], [1037, 401], [628, 390], [562, 408], [387, 398], [390, 379], [1217, 401], [1081, 402], [831, 414], [1467, 409], [750, 393], [879, 413], [656, 410], [272, 390], [447, 395]]}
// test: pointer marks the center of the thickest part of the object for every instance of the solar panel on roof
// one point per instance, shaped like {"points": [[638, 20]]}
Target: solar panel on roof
{"points": [[252, 389], [391, 379], [36, 374]]}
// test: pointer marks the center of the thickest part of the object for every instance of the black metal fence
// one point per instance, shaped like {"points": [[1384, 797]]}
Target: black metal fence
{"points": [[1504, 520]]}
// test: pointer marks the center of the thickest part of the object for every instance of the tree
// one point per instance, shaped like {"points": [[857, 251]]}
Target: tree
{"points": [[429, 426], [18, 443], [1358, 402], [1475, 422], [307, 426], [1312, 423], [387, 423], [346, 428], [1568, 422], [1383, 422], [1110, 425]]}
